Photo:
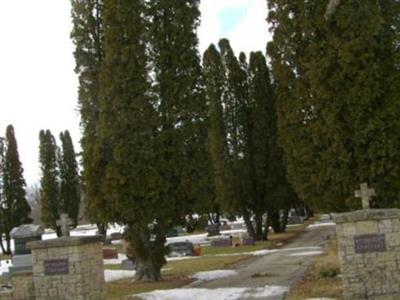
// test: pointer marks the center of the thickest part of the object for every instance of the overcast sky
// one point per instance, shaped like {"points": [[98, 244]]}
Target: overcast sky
{"points": [[38, 88]]}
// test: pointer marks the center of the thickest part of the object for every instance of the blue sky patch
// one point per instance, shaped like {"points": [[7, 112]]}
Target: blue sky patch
{"points": [[231, 17]]}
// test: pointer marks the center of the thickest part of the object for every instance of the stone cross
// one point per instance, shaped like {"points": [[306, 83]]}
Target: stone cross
{"points": [[64, 223], [365, 194]]}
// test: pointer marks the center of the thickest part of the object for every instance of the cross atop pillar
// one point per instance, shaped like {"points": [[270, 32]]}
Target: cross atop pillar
{"points": [[64, 223], [365, 194]]}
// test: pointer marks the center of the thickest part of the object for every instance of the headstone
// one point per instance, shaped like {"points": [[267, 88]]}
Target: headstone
{"points": [[294, 220], [172, 233], [65, 224], [110, 253], [368, 244], [225, 226], [116, 236], [68, 268], [128, 264], [213, 229], [24, 234], [221, 243], [247, 241], [181, 249]]}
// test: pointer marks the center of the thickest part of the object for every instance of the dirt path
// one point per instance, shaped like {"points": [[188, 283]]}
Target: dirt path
{"points": [[281, 268]]}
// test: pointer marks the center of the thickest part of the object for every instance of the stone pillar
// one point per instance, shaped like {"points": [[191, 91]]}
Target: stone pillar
{"points": [[68, 268], [369, 253]]}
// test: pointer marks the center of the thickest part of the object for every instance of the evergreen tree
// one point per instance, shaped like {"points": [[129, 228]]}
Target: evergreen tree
{"points": [[49, 181], [2, 218], [88, 37], [213, 71], [70, 188], [338, 86], [128, 122], [182, 150], [14, 207]]}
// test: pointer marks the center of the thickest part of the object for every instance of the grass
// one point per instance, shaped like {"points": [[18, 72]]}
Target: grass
{"points": [[4, 257], [322, 278], [177, 273]]}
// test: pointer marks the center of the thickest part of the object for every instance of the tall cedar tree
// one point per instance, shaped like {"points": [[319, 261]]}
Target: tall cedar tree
{"points": [[272, 192], [14, 207], [128, 122], [338, 86], [49, 181], [235, 102], [88, 37], [2, 217], [70, 188], [182, 155], [213, 71]]}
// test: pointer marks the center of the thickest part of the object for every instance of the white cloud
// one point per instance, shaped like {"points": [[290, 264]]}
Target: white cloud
{"points": [[250, 34]]}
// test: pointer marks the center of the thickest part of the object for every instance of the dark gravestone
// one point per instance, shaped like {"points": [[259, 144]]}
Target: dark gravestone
{"points": [[249, 241], [213, 229], [56, 267], [221, 243], [172, 233], [370, 243], [225, 226], [181, 249], [127, 264], [293, 220], [24, 234], [116, 236], [110, 253]]}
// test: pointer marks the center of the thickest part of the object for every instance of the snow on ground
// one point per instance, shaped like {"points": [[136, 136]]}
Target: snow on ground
{"points": [[212, 275], [321, 225], [113, 275], [220, 293], [306, 253], [4, 265]]}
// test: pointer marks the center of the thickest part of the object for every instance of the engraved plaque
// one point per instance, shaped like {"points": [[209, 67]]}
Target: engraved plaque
{"points": [[370, 243], [56, 267]]}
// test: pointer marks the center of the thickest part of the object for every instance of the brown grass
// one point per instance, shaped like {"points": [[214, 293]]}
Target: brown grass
{"points": [[321, 279], [178, 273]]}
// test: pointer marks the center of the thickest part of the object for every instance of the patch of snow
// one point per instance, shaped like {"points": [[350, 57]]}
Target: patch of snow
{"points": [[220, 293], [181, 258], [212, 275], [306, 253], [321, 225], [4, 265], [113, 275]]}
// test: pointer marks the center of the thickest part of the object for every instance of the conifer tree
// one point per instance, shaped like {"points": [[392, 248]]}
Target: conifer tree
{"points": [[88, 37], [15, 209], [2, 218], [338, 85], [128, 121], [70, 188], [49, 181], [176, 63]]}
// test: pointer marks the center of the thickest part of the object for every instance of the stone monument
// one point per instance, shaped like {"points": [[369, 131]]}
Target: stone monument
{"points": [[369, 250], [22, 258], [68, 267]]}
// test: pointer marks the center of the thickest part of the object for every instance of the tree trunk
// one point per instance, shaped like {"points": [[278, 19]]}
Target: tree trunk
{"points": [[102, 229], [275, 222], [259, 231], [266, 229], [284, 220], [3, 250], [249, 225], [8, 244], [149, 254]]}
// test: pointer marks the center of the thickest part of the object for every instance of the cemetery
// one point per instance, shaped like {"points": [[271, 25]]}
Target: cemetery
{"points": [[200, 149]]}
